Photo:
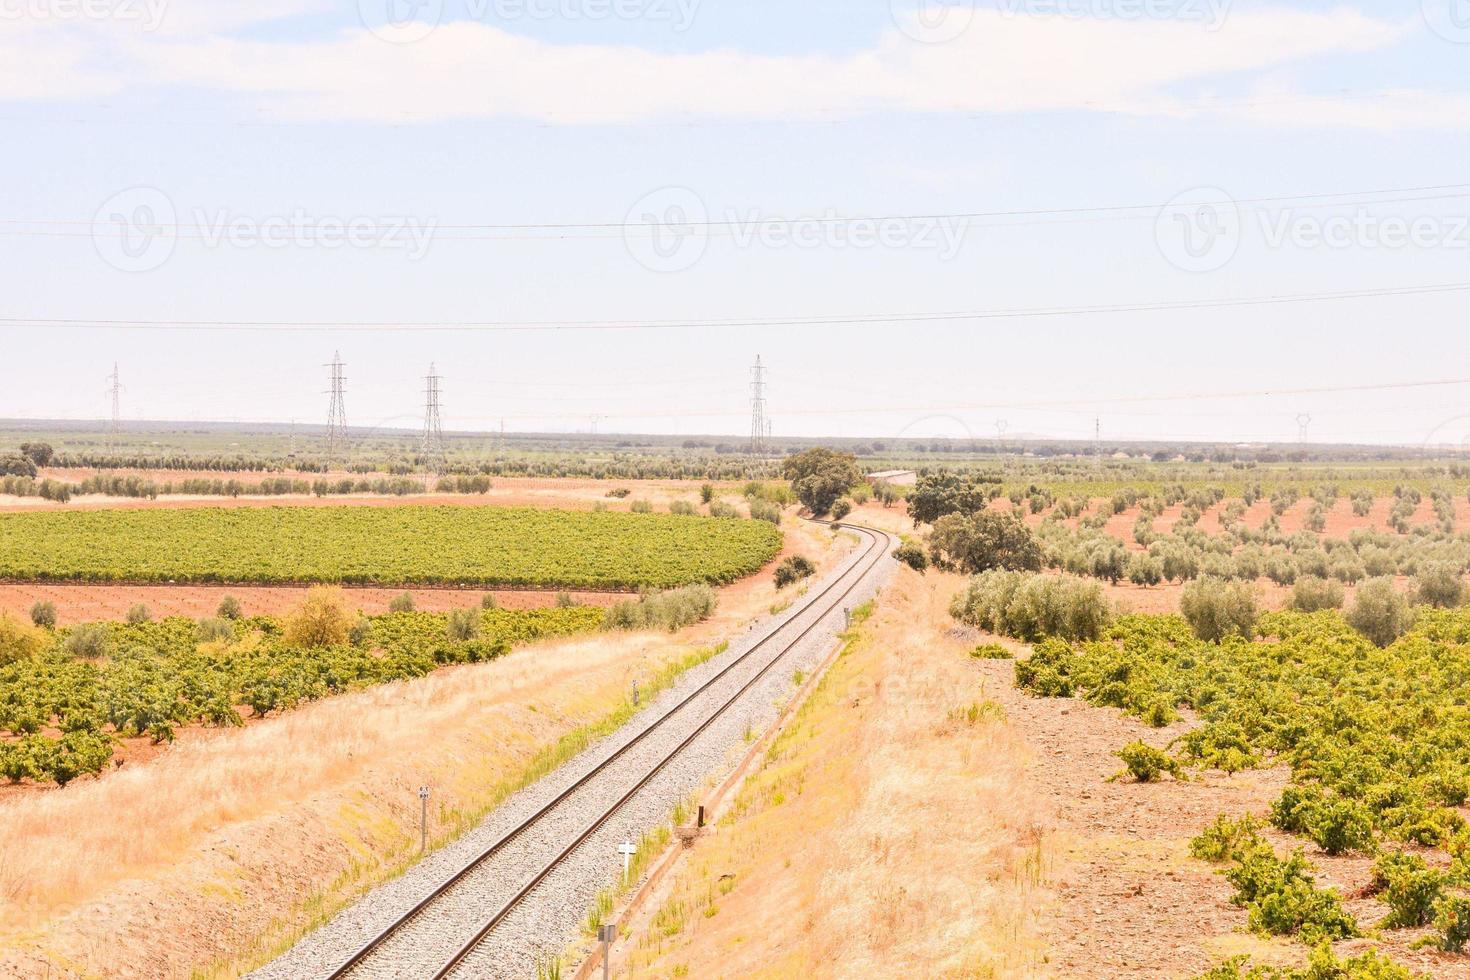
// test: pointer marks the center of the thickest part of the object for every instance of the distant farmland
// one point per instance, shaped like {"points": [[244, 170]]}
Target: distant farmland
{"points": [[470, 546]]}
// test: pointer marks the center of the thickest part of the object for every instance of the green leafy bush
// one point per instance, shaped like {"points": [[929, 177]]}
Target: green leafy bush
{"points": [[43, 613], [991, 651], [793, 569], [1216, 609], [1440, 584], [229, 608], [463, 625], [1033, 607], [912, 554], [89, 641], [671, 611], [138, 613], [215, 630], [401, 603], [1225, 839], [1146, 764], [1452, 923], [1379, 612], [1409, 887], [1313, 594]]}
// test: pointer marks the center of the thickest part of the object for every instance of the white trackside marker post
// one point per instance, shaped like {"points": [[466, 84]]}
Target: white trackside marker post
{"points": [[423, 819], [627, 850]]}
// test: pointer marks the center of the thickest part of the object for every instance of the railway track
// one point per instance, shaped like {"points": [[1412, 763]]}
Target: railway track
{"points": [[447, 933]]}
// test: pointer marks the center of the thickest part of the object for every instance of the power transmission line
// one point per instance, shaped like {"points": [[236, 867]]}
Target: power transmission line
{"points": [[337, 411], [432, 448], [1303, 425], [746, 322], [759, 430], [115, 428], [1374, 196]]}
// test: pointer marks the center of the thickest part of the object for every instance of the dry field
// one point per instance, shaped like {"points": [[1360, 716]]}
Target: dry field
{"points": [[886, 835], [244, 837]]}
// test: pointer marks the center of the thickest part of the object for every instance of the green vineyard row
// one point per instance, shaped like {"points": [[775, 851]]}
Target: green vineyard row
{"points": [[471, 546]]}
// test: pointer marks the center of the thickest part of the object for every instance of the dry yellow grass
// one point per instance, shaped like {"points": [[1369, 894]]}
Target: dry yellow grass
{"points": [[230, 843], [889, 833]]}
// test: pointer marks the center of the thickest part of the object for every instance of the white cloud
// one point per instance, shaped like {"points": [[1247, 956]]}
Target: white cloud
{"points": [[1002, 63]]}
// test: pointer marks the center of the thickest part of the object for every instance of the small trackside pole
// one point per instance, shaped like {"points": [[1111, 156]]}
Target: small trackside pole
{"points": [[607, 935]]}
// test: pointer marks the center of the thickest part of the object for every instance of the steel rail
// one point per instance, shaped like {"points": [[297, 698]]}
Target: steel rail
{"points": [[879, 539], [366, 951]]}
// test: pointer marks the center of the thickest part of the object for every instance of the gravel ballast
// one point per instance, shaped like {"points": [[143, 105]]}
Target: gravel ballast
{"points": [[550, 917]]}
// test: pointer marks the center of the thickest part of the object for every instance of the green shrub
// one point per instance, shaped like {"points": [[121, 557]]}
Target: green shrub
{"points": [[641, 507], [215, 630], [841, 509], [1282, 900], [1409, 887], [764, 510], [1341, 826], [1033, 607], [463, 625], [229, 608], [488, 601], [793, 569], [718, 508], [138, 614], [682, 508], [1379, 612], [361, 631], [565, 600], [1313, 594], [43, 613], [19, 641], [1146, 764], [991, 651], [1440, 584], [707, 493], [1452, 923], [1216, 609], [912, 554], [671, 610], [1144, 569], [89, 641], [1225, 839], [401, 603], [1323, 964]]}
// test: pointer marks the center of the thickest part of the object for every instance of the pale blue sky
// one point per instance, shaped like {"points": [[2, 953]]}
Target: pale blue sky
{"points": [[231, 114]]}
